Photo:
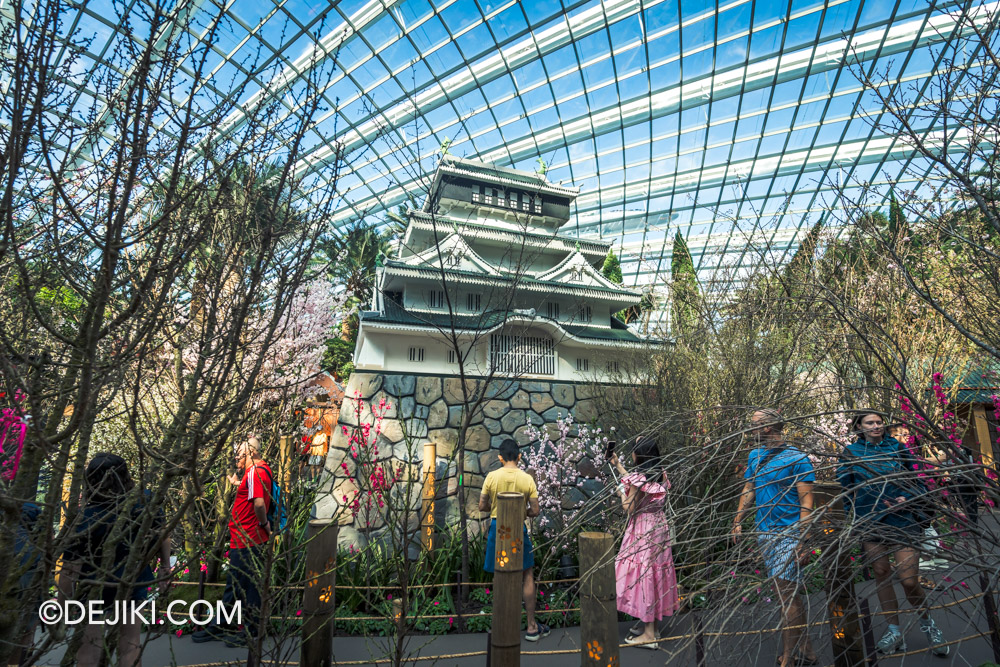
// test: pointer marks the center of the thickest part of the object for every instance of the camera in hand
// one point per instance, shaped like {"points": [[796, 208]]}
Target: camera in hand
{"points": [[610, 449]]}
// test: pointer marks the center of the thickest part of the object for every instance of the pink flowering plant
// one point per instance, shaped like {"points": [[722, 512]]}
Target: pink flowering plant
{"points": [[369, 476], [13, 428], [558, 464], [942, 431]]}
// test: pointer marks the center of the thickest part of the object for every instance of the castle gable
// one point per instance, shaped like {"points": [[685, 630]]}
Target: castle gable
{"points": [[575, 270], [454, 254]]}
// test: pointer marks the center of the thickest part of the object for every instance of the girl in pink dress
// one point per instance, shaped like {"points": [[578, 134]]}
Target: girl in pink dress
{"points": [[644, 567]]}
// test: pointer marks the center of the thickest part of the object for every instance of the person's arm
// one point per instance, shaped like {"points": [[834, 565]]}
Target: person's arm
{"points": [[616, 462], [628, 498], [67, 578], [164, 572], [805, 491], [260, 511], [485, 504], [533, 507], [256, 492], [806, 503], [746, 500], [845, 477]]}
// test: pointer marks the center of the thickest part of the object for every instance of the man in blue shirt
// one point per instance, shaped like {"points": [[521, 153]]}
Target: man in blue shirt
{"points": [[779, 480]]}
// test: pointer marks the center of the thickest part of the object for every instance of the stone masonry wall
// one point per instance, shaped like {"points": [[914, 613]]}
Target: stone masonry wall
{"points": [[429, 409]]}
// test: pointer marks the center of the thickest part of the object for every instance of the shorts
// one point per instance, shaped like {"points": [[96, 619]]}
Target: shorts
{"points": [[315, 460], [880, 533], [780, 551], [491, 549]]}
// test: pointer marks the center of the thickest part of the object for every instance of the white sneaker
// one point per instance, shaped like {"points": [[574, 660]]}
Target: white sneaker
{"points": [[891, 642], [933, 564], [934, 637]]}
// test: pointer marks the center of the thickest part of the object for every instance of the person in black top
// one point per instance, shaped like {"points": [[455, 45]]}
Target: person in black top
{"points": [[109, 503]]}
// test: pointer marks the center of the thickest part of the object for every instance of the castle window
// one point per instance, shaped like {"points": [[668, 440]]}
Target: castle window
{"points": [[584, 314], [453, 258], [612, 367], [416, 354], [582, 364], [552, 310], [451, 356], [516, 355], [473, 302], [435, 299]]}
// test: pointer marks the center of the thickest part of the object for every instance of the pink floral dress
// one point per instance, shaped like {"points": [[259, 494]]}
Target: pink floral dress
{"points": [[644, 568]]}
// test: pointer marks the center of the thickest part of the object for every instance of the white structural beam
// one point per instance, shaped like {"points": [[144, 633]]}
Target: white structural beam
{"points": [[777, 69]]}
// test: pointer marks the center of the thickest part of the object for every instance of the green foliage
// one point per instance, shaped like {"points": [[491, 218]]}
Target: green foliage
{"points": [[345, 615], [899, 228], [339, 357], [353, 256], [612, 269], [684, 286], [802, 262]]}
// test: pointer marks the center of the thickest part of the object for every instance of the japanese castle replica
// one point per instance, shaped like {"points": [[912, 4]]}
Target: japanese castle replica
{"points": [[482, 264]]}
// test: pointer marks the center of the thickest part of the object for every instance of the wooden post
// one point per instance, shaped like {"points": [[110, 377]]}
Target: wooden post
{"points": [[318, 601], [598, 608], [845, 628], [991, 615], [427, 506], [699, 640], [397, 615], [286, 460], [459, 610], [201, 583], [507, 576], [982, 430], [866, 630]]}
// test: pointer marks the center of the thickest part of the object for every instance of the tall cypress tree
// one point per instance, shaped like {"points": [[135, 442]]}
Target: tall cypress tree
{"points": [[803, 259], [898, 227], [612, 269], [684, 287]]}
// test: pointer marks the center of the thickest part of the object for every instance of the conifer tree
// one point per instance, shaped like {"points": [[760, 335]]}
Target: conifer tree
{"points": [[898, 227], [684, 286], [612, 269], [803, 259]]}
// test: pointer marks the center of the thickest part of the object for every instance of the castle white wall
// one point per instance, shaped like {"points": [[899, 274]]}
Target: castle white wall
{"points": [[391, 350]]}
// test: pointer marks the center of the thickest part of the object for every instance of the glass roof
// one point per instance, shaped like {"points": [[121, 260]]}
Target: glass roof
{"points": [[664, 112]]}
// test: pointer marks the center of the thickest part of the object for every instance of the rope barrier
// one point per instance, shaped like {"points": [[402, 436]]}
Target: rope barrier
{"points": [[476, 654], [673, 638], [471, 584]]}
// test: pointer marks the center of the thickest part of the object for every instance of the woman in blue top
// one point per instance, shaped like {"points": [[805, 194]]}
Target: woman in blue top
{"points": [[878, 475]]}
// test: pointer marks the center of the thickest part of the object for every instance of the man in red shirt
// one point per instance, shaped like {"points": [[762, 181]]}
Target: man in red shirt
{"points": [[248, 531]]}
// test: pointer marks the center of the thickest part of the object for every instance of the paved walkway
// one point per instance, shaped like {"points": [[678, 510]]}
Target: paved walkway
{"points": [[746, 642], [753, 647]]}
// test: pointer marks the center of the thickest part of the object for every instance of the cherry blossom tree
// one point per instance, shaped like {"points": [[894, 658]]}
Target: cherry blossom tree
{"points": [[555, 459]]}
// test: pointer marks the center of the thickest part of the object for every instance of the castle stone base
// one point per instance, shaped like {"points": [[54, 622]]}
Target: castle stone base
{"points": [[429, 408]]}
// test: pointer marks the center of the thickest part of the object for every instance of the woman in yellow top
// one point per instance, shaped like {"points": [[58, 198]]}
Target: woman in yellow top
{"points": [[511, 479]]}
